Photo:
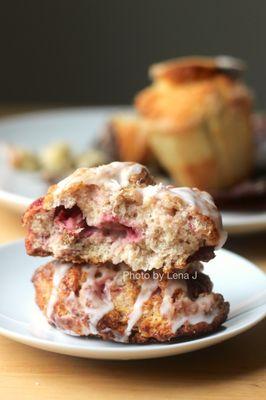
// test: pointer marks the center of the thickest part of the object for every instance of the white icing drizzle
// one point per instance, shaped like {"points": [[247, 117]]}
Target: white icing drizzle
{"points": [[147, 288], [169, 308], [200, 304], [115, 176], [200, 201], [126, 173], [59, 273], [95, 302], [167, 302], [151, 191]]}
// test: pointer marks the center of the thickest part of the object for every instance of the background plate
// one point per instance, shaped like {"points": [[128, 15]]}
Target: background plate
{"points": [[80, 127]]}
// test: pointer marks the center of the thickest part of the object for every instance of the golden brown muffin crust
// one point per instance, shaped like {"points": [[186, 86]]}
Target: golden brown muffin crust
{"points": [[188, 69]]}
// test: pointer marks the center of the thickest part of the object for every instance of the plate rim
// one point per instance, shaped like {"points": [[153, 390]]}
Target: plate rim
{"points": [[165, 350], [129, 352]]}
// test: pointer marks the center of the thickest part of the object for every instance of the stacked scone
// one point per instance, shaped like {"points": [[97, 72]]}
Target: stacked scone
{"points": [[127, 256]]}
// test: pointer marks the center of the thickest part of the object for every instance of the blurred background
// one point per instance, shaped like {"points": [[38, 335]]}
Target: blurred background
{"points": [[60, 53], [97, 52]]}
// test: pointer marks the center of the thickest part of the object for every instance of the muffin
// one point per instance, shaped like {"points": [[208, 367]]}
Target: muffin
{"points": [[194, 120], [126, 139]]}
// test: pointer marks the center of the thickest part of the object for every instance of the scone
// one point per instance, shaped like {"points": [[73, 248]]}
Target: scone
{"points": [[115, 213], [194, 120], [108, 301]]}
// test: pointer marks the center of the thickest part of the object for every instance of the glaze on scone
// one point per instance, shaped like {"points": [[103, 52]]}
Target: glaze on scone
{"points": [[115, 213], [110, 302]]}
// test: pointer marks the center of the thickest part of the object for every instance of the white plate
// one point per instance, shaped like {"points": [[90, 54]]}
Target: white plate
{"points": [[241, 283], [80, 127]]}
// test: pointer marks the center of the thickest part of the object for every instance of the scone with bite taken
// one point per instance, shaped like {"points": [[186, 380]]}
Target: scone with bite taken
{"points": [[116, 213]]}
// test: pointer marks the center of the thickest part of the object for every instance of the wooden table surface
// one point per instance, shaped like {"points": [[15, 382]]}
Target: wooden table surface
{"points": [[234, 369]]}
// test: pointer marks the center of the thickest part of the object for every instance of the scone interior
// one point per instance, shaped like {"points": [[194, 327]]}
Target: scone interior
{"points": [[114, 303], [115, 213]]}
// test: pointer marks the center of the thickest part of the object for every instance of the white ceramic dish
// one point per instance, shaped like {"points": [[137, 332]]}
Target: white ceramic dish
{"points": [[241, 283], [80, 127]]}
